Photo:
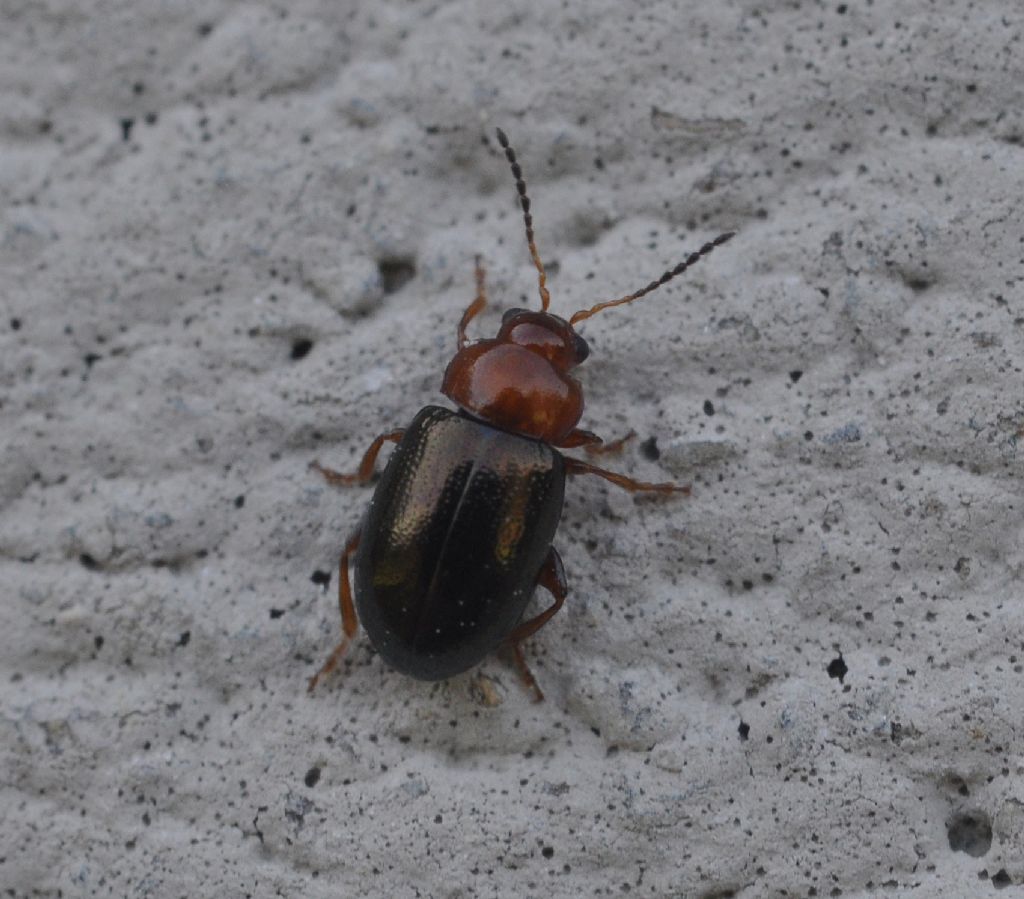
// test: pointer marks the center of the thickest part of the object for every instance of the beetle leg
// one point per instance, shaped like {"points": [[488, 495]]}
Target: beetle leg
{"points": [[349, 621], [578, 437], [592, 444], [552, 579], [578, 466], [477, 306], [365, 471]]}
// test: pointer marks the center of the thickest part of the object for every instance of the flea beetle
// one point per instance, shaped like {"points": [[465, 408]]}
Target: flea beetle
{"points": [[458, 533]]}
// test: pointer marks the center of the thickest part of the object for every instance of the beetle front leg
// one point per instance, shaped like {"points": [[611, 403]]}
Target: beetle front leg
{"points": [[365, 471], [477, 306], [577, 466], [349, 620], [552, 579], [592, 444]]}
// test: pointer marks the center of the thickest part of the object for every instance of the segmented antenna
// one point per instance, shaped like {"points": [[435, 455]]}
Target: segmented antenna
{"points": [[524, 201], [654, 285]]}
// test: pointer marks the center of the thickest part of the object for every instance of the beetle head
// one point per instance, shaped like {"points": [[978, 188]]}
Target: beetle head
{"points": [[545, 334]]}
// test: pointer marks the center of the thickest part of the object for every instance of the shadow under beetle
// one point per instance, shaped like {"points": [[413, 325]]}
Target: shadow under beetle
{"points": [[458, 533]]}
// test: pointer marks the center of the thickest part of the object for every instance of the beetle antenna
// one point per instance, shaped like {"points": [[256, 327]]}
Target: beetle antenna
{"points": [[524, 201], [654, 285]]}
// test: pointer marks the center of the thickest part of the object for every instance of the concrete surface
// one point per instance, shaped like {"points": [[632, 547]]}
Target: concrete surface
{"points": [[237, 237]]}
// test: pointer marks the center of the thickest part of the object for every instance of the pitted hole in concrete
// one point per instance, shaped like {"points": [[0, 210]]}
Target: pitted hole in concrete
{"points": [[312, 776], [321, 578], [837, 668], [970, 832], [649, 449], [955, 782], [395, 272], [1001, 880], [744, 730], [301, 347], [917, 280]]}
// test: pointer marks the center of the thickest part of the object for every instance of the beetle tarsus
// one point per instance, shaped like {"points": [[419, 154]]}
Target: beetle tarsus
{"points": [[552, 579], [578, 466], [606, 449], [524, 672], [336, 478], [349, 620], [365, 472], [332, 662]]}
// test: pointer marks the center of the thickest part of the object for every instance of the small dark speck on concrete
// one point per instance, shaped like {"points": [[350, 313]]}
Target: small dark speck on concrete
{"points": [[744, 730], [301, 347], [837, 668], [649, 449], [126, 128], [184, 638], [547, 852], [709, 407], [312, 776], [276, 613], [321, 578], [795, 375], [396, 272], [239, 502]]}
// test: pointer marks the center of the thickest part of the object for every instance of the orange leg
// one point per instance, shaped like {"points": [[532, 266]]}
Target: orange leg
{"points": [[365, 471], [614, 446], [349, 621], [577, 466], [592, 444], [477, 306], [552, 579]]}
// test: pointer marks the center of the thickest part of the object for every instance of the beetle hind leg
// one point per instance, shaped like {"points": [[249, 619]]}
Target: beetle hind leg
{"points": [[552, 579], [349, 621]]}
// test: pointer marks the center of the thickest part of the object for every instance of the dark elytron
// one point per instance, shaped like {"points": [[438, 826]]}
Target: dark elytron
{"points": [[453, 542]]}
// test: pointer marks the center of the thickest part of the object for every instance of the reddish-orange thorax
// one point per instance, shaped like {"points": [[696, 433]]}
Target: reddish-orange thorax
{"points": [[519, 380]]}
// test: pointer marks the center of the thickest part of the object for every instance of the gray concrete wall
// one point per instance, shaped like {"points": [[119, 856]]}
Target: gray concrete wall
{"points": [[237, 237]]}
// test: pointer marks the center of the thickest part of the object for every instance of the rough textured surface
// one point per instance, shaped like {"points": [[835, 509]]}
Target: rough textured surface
{"points": [[237, 237]]}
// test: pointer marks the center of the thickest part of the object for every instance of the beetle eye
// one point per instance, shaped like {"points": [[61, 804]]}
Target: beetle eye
{"points": [[509, 313], [581, 348]]}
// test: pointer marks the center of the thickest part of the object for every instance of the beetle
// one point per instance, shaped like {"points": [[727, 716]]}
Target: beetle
{"points": [[459, 531]]}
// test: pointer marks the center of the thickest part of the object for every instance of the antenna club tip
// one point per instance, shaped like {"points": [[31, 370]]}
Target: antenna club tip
{"points": [[502, 137]]}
